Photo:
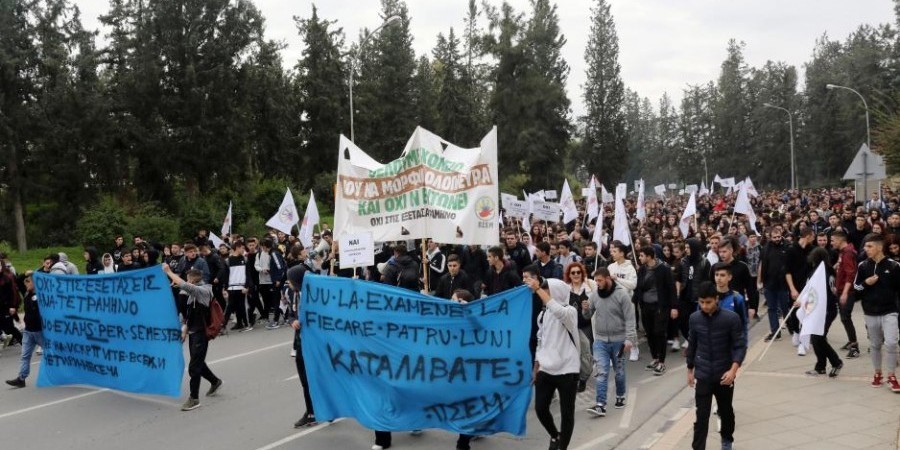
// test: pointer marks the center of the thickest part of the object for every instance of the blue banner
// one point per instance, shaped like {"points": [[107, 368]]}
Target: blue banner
{"points": [[119, 331], [398, 360]]}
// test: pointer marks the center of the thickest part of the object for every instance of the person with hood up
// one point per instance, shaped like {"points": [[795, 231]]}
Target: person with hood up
{"points": [[558, 359], [695, 269], [92, 265], [401, 270], [71, 269], [108, 264]]}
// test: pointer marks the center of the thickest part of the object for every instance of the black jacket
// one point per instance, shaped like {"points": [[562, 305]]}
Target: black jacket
{"points": [[32, 313], [881, 298], [520, 256], [506, 279], [448, 284], [695, 270], [716, 341], [773, 265], [659, 278], [798, 265], [218, 270], [474, 262]]}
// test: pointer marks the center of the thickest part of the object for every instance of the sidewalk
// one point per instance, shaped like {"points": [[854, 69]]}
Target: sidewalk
{"points": [[777, 406]]}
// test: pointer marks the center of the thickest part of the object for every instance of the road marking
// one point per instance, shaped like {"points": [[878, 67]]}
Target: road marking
{"points": [[299, 435], [593, 444], [291, 378], [629, 409], [88, 394]]}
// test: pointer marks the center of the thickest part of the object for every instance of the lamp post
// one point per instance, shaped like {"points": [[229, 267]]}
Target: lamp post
{"points": [[388, 21], [791, 123], [830, 86]]}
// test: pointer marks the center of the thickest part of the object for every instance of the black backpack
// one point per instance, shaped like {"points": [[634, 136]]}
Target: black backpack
{"points": [[408, 277]]}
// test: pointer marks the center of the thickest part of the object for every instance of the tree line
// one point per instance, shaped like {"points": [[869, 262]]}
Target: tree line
{"points": [[187, 105]]}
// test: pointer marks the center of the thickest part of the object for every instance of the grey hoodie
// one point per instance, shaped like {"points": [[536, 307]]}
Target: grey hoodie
{"points": [[612, 315], [559, 348], [71, 269]]}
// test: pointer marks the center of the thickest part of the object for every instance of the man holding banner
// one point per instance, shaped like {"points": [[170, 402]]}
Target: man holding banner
{"points": [[195, 329], [558, 359]]}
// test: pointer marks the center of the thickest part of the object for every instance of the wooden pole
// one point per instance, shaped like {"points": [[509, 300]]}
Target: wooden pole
{"points": [[425, 264]]}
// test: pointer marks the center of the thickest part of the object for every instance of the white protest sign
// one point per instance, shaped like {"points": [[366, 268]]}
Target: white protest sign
{"points": [[550, 195], [506, 198], [356, 250], [516, 208], [691, 188], [546, 211]]}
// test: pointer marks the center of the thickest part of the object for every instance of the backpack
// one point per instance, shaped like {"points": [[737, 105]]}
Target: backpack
{"points": [[216, 320], [408, 277]]}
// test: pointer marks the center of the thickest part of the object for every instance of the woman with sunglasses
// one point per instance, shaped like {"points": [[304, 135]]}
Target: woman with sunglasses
{"points": [[580, 286]]}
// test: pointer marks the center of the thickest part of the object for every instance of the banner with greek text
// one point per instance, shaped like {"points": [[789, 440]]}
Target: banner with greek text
{"points": [[398, 360], [434, 190], [119, 331]]}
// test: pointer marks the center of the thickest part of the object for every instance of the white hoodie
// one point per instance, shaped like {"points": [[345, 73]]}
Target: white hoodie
{"points": [[559, 347], [624, 275]]}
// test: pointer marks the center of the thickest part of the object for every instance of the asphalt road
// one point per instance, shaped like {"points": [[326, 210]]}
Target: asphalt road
{"points": [[261, 399]]}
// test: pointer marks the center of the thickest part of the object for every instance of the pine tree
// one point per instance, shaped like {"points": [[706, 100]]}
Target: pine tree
{"points": [[605, 146], [425, 96], [732, 113]]}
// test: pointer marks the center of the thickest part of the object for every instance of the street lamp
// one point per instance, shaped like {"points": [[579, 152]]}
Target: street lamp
{"points": [[866, 105], [389, 21], [791, 122]]}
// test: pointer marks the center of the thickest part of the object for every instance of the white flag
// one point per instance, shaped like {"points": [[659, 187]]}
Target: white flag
{"points": [[727, 182], [660, 190], [813, 303], [593, 206], [717, 179], [703, 189], [750, 188], [216, 241], [598, 231], [621, 191], [641, 212], [226, 225], [620, 222], [742, 206], [606, 197], [310, 219], [567, 202], [712, 257], [689, 211], [287, 215]]}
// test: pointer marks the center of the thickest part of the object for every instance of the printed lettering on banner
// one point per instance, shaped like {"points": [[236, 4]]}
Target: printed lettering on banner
{"points": [[119, 331], [410, 361], [517, 208], [548, 211], [433, 190], [550, 195]]}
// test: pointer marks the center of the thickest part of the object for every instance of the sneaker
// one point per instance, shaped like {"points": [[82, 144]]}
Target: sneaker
{"points": [[847, 346], [214, 388], [293, 353], [660, 369], [635, 354], [620, 402], [815, 372], [39, 351], [778, 335], [652, 365], [676, 346], [249, 328], [190, 403], [801, 350], [685, 345], [876, 381], [795, 339], [726, 445], [893, 384], [554, 444], [597, 410], [377, 447], [16, 382], [836, 370], [6, 340], [853, 353], [272, 326], [415, 433], [307, 420], [582, 385]]}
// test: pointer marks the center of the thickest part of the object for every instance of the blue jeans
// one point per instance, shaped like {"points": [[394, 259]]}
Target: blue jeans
{"points": [[29, 340], [779, 303], [604, 354]]}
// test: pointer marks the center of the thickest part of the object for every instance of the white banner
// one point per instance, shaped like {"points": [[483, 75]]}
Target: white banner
{"points": [[505, 199], [660, 190], [548, 211], [550, 195], [516, 208], [448, 194]]}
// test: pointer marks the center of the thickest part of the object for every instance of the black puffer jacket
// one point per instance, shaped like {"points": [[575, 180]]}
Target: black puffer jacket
{"points": [[716, 341]]}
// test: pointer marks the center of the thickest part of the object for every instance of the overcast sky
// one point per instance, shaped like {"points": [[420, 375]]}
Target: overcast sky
{"points": [[664, 44]]}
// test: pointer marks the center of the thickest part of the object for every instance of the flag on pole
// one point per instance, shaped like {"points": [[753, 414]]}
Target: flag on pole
{"points": [[592, 203], [717, 179], [567, 202], [726, 182], [606, 197], [813, 303], [621, 191], [703, 189], [742, 205], [750, 188], [641, 212], [660, 190], [287, 215], [691, 209], [597, 238], [226, 225], [310, 219], [216, 241], [620, 221]]}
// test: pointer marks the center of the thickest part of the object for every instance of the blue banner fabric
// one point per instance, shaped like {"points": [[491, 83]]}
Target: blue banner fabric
{"points": [[398, 360], [119, 331]]}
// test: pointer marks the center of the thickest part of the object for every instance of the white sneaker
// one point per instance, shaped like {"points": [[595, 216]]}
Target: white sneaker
{"points": [[795, 339], [293, 353], [676, 345], [801, 350], [635, 354], [40, 350]]}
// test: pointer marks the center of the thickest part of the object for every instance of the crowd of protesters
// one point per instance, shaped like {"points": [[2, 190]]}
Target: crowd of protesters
{"points": [[593, 297]]}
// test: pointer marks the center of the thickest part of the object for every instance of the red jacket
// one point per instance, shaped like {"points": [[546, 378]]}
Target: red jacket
{"points": [[846, 271]]}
